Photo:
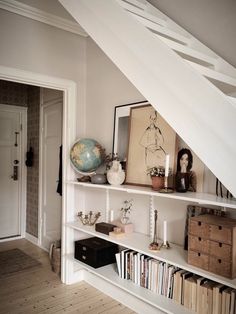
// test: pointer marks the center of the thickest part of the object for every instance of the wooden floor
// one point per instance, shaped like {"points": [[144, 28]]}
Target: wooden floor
{"points": [[39, 290]]}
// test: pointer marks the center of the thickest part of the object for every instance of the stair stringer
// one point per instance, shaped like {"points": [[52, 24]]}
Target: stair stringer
{"points": [[199, 112]]}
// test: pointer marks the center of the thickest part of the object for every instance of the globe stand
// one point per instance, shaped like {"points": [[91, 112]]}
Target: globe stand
{"points": [[84, 179]]}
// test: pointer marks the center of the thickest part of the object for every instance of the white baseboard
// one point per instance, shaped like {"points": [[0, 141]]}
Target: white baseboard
{"points": [[31, 238], [11, 239]]}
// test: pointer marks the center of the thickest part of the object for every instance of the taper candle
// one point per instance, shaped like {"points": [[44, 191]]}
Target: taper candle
{"points": [[111, 215], [164, 232], [167, 165]]}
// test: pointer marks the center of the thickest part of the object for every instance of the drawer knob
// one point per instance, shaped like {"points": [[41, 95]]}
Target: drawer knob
{"points": [[220, 244], [83, 257], [199, 254], [219, 260], [220, 228], [200, 239], [199, 223], [84, 248]]}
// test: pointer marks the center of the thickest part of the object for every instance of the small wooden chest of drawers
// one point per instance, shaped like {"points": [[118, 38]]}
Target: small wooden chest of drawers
{"points": [[212, 244]]}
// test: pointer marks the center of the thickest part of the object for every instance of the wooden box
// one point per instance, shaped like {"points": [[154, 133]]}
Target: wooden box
{"points": [[212, 244], [95, 252], [104, 227]]}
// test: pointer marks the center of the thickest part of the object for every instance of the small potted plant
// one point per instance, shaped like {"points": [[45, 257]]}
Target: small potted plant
{"points": [[157, 175], [126, 209]]}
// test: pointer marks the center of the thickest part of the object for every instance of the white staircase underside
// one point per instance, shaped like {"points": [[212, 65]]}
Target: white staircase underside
{"points": [[198, 111]]}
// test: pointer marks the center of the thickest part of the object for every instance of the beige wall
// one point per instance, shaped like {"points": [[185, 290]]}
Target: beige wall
{"points": [[213, 22]]}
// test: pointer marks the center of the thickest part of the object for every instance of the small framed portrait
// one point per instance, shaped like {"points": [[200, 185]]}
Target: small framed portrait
{"points": [[188, 162]]}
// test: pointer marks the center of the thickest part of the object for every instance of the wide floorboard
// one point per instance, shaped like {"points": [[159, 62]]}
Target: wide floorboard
{"points": [[39, 290]]}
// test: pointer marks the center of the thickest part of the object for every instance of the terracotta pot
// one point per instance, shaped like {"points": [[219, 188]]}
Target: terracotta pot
{"points": [[157, 183]]}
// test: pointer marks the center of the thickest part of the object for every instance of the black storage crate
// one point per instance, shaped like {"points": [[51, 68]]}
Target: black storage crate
{"points": [[95, 252]]}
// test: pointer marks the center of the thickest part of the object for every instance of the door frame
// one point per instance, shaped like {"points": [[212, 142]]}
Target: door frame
{"points": [[69, 89], [23, 172], [40, 194]]}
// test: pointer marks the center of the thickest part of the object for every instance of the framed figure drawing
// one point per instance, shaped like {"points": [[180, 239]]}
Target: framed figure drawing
{"points": [[150, 140]]}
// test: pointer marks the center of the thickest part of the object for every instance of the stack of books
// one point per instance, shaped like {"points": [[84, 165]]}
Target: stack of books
{"points": [[192, 291]]}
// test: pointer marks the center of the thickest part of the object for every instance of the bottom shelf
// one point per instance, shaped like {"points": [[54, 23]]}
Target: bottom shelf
{"points": [[109, 274]]}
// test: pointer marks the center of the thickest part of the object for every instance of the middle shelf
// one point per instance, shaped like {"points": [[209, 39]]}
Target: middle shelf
{"points": [[175, 256]]}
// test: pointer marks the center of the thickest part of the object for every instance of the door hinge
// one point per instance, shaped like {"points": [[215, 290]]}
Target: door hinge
{"points": [[21, 127]]}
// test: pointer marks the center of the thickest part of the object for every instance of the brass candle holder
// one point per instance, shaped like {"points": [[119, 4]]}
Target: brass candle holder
{"points": [[166, 189], [154, 246], [88, 219], [165, 245]]}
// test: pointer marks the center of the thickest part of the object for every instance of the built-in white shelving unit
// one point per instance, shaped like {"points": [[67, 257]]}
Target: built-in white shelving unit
{"points": [[109, 274], [139, 242], [200, 198]]}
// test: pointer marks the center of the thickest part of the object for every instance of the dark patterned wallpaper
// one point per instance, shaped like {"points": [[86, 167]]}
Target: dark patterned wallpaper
{"points": [[33, 172], [13, 93]]}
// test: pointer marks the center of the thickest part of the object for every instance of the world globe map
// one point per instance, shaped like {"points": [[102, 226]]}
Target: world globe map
{"points": [[86, 155]]}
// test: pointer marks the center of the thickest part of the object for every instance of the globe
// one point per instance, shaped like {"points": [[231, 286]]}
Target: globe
{"points": [[86, 155]]}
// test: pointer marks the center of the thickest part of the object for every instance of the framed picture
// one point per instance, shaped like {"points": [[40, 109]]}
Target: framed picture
{"points": [[198, 167], [121, 128], [150, 140]]}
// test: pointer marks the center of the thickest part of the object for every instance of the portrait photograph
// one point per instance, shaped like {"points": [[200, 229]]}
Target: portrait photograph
{"points": [[197, 167]]}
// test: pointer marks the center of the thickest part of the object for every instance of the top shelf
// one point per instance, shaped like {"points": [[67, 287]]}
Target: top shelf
{"points": [[200, 198]]}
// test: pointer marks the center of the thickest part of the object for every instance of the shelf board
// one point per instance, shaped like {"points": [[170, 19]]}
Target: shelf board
{"points": [[109, 274], [175, 256], [200, 198]]}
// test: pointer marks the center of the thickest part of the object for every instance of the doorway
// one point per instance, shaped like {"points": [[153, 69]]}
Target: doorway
{"points": [[69, 89], [12, 171]]}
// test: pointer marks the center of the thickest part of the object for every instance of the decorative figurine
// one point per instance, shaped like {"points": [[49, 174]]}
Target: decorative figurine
{"points": [[88, 219], [115, 175]]}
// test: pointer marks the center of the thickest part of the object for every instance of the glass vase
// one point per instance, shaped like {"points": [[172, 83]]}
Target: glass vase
{"points": [[125, 218]]}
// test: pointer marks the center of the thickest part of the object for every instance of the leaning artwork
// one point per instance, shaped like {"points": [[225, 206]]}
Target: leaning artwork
{"points": [[150, 140]]}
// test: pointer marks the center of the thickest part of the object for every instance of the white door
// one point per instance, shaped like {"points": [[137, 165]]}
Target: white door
{"points": [[10, 170], [51, 139]]}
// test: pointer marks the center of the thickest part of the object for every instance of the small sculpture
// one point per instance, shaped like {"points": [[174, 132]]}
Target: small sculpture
{"points": [[88, 219], [115, 175]]}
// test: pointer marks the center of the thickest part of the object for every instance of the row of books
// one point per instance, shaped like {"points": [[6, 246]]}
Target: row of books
{"points": [[192, 291]]}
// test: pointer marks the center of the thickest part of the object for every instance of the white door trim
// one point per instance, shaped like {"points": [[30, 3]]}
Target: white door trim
{"points": [[69, 89], [23, 170], [43, 105]]}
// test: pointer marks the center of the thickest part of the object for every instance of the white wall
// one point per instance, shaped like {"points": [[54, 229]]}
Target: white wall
{"points": [[33, 46], [107, 87], [213, 22]]}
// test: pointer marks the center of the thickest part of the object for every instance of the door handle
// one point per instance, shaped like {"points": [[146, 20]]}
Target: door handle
{"points": [[15, 173]]}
